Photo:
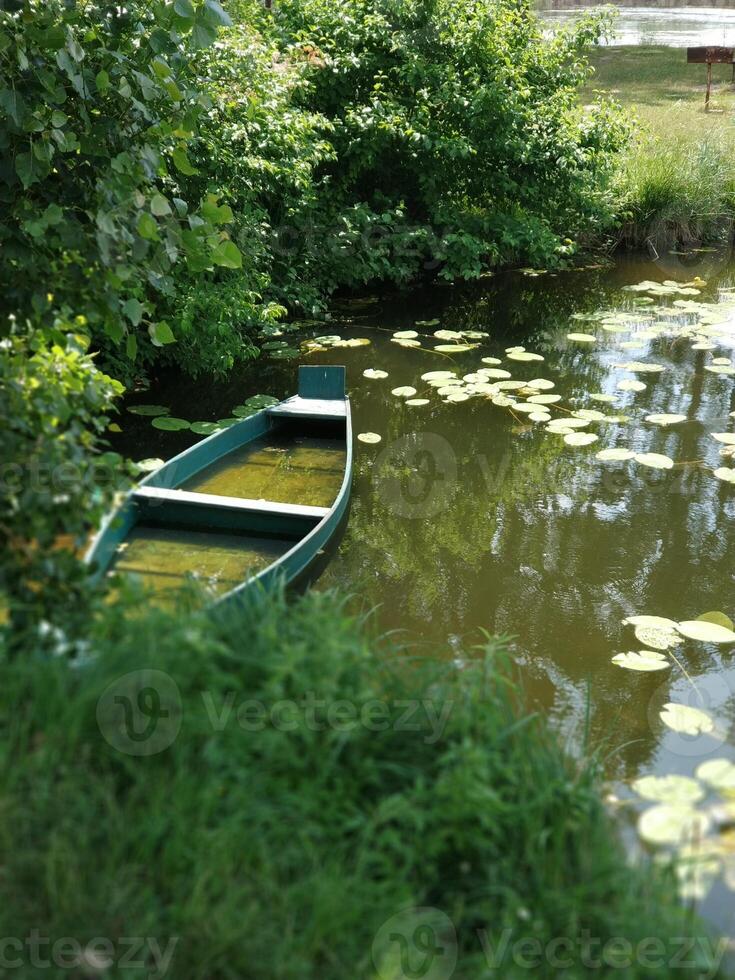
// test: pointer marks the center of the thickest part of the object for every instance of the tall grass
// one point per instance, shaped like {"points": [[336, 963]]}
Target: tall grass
{"points": [[678, 192], [277, 849]]}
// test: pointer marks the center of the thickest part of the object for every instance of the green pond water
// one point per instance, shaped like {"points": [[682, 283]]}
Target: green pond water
{"points": [[471, 516]]}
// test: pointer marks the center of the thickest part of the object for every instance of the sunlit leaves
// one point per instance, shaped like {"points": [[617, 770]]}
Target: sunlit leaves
{"points": [[671, 824], [371, 438], [705, 632], [656, 461], [663, 419], [617, 454], [374, 374], [404, 391], [169, 424], [681, 790], [578, 439], [718, 773]]}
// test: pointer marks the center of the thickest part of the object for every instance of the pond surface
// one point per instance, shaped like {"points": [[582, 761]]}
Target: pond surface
{"points": [[471, 516], [677, 26]]}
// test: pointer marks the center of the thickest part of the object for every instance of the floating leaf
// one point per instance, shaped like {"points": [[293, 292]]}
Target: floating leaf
{"points": [[169, 424], [682, 790], [524, 356], [149, 409], [438, 375], [426, 323], [665, 419], [541, 384], [601, 397], [727, 437], [669, 824], [657, 637], [453, 348], [719, 618], [405, 391], [582, 338], [544, 399], [204, 428], [705, 632], [718, 773], [657, 622], [630, 384], [615, 454], [688, 721], [369, 437], [580, 438], [656, 461], [491, 360], [374, 374], [405, 334], [417, 401], [725, 473], [405, 343], [457, 396], [644, 660], [719, 369], [149, 465], [447, 335]]}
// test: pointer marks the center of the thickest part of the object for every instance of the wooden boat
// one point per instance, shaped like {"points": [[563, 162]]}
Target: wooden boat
{"points": [[253, 503]]}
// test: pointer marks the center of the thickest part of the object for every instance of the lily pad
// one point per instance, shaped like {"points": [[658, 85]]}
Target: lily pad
{"points": [[204, 428], [369, 437], [717, 617], [524, 355], [682, 790], [725, 473], [580, 438], [416, 402], [643, 660], [726, 437], [374, 374], [662, 419], [705, 632], [688, 721], [169, 424], [616, 454], [656, 461], [657, 637], [670, 824], [405, 334], [658, 622], [151, 410], [149, 465], [405, 391], [582, 338], [630, 384], [718, 773]]}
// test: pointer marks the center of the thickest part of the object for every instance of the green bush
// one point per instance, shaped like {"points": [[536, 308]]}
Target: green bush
{"points": [[304, 785], [56, 479], [98, 105]]}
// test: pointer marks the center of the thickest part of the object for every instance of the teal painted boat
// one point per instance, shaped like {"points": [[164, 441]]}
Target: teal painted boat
{"points": [[255, 503]]}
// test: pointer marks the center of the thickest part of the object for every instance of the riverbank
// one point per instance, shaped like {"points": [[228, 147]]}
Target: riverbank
{"points": [[289, 797], [676, 184]]}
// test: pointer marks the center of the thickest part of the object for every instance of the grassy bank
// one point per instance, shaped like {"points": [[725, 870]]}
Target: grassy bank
{"points": [[282, 788], [677, 182]]}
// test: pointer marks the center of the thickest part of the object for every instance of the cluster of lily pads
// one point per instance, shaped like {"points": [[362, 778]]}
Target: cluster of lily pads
{"points": [[674, 820], [703, 325], [161, 419]]}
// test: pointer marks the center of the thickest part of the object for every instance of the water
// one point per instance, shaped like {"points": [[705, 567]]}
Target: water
{"points": [[467, 518], [673, 25]]}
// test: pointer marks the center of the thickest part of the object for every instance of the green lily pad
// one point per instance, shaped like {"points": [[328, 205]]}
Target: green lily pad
{"points": [[204, 428], [169, 424], [148, 409]]}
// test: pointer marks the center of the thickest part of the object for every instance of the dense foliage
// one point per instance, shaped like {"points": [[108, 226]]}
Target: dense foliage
{"points": [[183, 183], [266, 791], [56, 479]]}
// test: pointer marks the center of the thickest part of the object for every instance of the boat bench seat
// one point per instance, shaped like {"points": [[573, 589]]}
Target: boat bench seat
{"points": [[316, 408], [153, 495]]}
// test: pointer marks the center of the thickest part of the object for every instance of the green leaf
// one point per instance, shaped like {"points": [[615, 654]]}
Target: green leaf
{"points": [[169, 424], [160, 206], [30, 169], [14, 105], [102, 81], [203, 34], [204, 428], [161, 333], [147, 227], [133, 310], [185, 8], [131, 346], [181, 162], [58, 118], [216, 15], [148, 409], [227, 254]]}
